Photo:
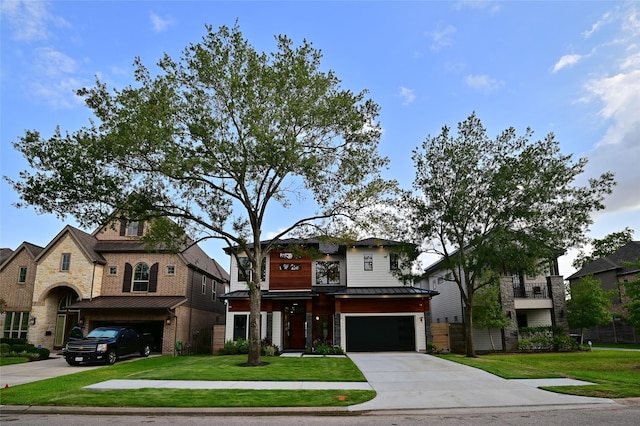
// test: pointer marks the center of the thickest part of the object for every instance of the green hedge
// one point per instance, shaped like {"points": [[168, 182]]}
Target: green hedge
{"points": [[20, 347]]}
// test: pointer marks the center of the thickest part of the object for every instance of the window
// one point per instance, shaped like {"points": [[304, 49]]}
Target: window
{"points": [[141, 277], [16, 325], [368, 262], [204, 284], [290, 267], [22, 275], [244, 269], [394, 261], [239, 327], [328, 272], [113, 270], [213, 291], [132, 228], [171, 270], [65, 262]]}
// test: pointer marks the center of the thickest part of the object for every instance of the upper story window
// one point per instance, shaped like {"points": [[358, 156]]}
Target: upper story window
{"points": [[113, 270], [328, 272], [244, 269], [368, 262], [22, 275], [65, 262], [171, 270], [132, 228], [290, 267], [204, 284], [394, 261], [141, 277], [213, 290]]}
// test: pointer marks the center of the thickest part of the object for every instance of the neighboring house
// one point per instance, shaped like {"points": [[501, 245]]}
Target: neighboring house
{"points": [[17, 278], [529, 301], [613, 271], [346, 294], [109, 277]]}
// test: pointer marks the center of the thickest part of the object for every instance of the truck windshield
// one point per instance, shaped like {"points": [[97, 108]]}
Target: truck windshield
{"points": [[102, 333]]}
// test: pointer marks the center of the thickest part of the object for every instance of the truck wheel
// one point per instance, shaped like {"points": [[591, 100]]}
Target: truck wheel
{"points": [[111, 357], [145, 351]]}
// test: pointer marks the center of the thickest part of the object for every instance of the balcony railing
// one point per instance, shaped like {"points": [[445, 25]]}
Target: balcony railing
{"points": [[532, 291]]}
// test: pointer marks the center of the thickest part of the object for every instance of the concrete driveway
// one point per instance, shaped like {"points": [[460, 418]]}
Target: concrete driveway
{"points": [[410, 380], [18, 374]]}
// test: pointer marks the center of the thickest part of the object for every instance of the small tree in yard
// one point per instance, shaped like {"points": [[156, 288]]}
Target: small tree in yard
{"points": [[589, 305], [487, 310], [209, 147], [497, 205]]}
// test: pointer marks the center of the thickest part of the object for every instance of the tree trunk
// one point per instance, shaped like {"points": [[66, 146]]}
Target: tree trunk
{"points": [[254, 322], [468, 337], [493, 348]]}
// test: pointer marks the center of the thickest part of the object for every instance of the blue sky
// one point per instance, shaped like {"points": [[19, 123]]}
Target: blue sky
{"points": [[571, 68]]}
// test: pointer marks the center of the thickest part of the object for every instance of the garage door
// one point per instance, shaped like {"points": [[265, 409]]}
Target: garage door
{"points": [[383, 333]]}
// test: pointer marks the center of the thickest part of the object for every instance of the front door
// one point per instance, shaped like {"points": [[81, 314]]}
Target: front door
{"points": [[294, 326]]}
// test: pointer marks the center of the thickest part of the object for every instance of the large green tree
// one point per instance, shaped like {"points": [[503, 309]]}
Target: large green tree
{"points": [[589, 305], [631, 298], [212, 143], [492, 205], [603, 247]]}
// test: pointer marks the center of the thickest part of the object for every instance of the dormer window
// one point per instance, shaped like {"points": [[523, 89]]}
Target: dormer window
{"points": [[132, 228]]}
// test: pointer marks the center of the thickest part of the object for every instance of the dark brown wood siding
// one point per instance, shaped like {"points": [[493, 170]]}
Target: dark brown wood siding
{"points": [[283, 277]]}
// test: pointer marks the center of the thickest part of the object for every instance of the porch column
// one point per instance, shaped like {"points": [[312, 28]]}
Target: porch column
{"points": [[555, 283], [269, 326], [509, 307]]}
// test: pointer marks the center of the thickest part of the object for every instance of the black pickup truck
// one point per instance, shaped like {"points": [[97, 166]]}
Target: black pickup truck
{"points": [[107, 344]]}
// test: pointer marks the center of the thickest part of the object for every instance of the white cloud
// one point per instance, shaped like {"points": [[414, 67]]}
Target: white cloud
{"points": [[160, 24], [408, 95], [484, 83], [489, 5], [29, 19], [567, 61], [54, 79], [442, 37]]}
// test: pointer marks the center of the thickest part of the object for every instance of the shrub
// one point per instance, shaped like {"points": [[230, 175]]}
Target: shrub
{"points": [[44, 353], [5, 348], [241, 346], [324, 347]]}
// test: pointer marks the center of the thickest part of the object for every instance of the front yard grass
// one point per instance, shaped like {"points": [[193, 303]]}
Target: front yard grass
{"points": [[69, 390], [616, 374]]}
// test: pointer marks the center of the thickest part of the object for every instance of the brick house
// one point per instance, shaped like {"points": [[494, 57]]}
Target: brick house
{"points": [[109, 277], [347, 294], [613, 272]]}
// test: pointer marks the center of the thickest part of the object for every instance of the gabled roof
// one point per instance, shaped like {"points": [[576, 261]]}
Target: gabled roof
{"points": [[630, 252], [4, 254], [33, 250], [85, 242]]}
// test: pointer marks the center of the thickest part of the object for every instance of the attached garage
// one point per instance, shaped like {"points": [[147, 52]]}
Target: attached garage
{"points": [[380, 333]]}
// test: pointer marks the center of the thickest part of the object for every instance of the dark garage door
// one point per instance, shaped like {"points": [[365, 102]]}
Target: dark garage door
{"points": [[374, 334]]}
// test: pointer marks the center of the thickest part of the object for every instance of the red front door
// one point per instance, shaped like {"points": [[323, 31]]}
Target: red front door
{"points": [[294, 326]]}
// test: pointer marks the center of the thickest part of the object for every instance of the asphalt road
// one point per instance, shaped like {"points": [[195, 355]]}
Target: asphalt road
{"points": [[621, 415]]}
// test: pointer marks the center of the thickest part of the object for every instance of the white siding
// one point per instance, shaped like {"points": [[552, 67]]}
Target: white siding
{"points": [[447, 305], [538, 318], [380, 276], [482, 341]]}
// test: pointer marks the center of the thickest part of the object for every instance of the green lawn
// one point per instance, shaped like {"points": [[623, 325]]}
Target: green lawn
{"points": [[68, 390], [6, 360], [616, 374]]}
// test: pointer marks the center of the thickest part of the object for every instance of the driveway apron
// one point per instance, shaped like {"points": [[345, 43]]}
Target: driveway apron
{"points": [[410, 380]]}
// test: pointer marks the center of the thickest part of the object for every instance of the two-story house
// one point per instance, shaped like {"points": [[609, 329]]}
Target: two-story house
{"points": [[347, 294], [109, 277], [613, 272], [528, 301]]}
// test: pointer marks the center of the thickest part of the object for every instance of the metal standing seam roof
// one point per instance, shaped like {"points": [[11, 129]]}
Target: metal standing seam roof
{"points": [[130, 302], [345, 292]]}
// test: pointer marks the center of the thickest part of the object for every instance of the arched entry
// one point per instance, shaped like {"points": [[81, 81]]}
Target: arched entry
{"points": [[65, 318]]}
